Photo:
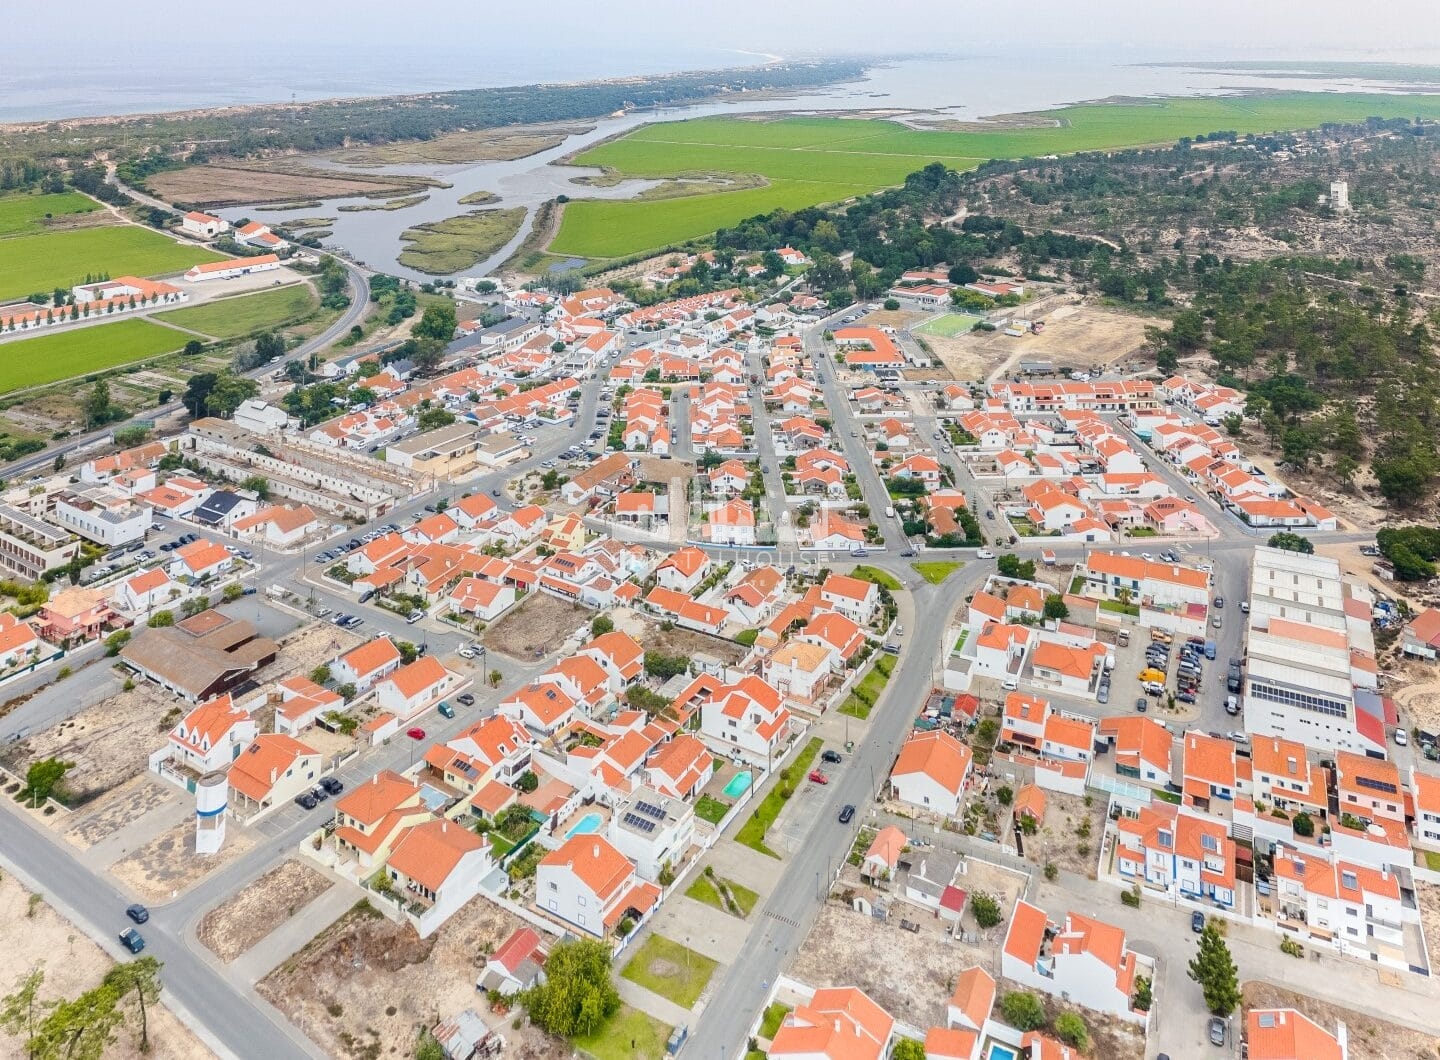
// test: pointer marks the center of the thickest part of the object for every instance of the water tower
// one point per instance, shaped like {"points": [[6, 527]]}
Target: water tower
{"points": [[210, 795]]}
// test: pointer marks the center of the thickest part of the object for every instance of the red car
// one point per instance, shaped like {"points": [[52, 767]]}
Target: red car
{"points": [[416, 733], [817, 777]]}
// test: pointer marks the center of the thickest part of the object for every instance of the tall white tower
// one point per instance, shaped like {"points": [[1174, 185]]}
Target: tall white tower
{"points": [[1340, 196], [211, 792]]}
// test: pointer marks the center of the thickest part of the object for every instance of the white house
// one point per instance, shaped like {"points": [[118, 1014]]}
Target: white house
{"points": [[854, 598], [652, 830], [210, 736], [366, 665], [748, 718], [411, 689], [486, 600], [683, 570], [146, 591], [203, 224], [278, 526], [932, 772], [438, 865], [1085, 960], [590, 885]]}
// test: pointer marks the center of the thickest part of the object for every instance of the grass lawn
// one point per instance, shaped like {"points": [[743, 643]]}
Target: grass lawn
{"points": [[46, 260], [229, 318], [707, 890], [808, 160], [499, 845], [863, 697], [1133, 610], [936, 571], [774, 1016], [669, 969], [612, 1041], [884, 579], [65, 354], [456, 243], [948, 326], [752, 832], [710, 809], [24, 212]]}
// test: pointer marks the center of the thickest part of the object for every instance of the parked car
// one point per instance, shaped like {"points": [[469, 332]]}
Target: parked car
{"points": [[833, 757], [1197, 921], [817, 777], [414, 616], [416, 733], [859, 553], [319, 793], [1232, 705], [132, 941], [466, 699], [137, 913], [446, 710], [847, 812], [332, 784], [907, 553], [305, 800], [1401, 739], [984, 553], [1217, 1031], [1219, 601]]}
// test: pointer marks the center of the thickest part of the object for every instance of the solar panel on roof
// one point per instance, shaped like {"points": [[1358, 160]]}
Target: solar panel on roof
{"points": [[651, 810], [643, 824]]}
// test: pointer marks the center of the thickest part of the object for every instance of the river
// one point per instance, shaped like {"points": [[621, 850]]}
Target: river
{"points": [[967, 88]]}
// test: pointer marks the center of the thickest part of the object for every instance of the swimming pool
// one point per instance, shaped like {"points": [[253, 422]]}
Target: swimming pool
{"points": [[433, 798], [739, 784], [1001, 1052], [589, 823]]}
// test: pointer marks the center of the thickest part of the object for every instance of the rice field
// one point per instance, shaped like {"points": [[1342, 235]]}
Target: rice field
{"points": [[23, 212], [80, 350], [229, 318], [42, 261], [808, 161]]}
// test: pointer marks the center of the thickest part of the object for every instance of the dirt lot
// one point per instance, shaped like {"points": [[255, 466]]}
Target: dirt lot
{"points": [[363, 986], [259, 908], [1077, 335], [217, 186], [536, 626], [1369, 1038], [72, 964], [1427, 897], [168, 866], [677, 641], [1110, 1037], [126, 804], [894, 318], [109, 743], [1064, 834]]}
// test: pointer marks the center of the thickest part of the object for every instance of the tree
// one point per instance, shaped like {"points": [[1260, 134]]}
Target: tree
{"points": [[81, 1029], [129, 437], [96, 405], [432, 419], [269, 346], [1214, 969], [258, 485], [1303, 824], [321, 674], [115, 641], [193, 347], [140, 977], [427, 353], [1071, 1030], [228, 393], [1022, 1010], [22, 1011], [601, 625], [1144, 997], [1012, 566], [578, 994], [962, 274], [494, 678], [160, 619], [437, 322], [986, 910], [42, 779], [1291, 542], [197, 392], [232, 592], [528, 781], [908, 1049], [408, 652], [1055, 607], [658, 664], [892, 304]]}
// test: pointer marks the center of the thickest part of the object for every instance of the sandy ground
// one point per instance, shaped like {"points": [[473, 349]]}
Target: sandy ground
{"points": [[258, 908], [127, 803], [1076, 335], [363, 985], [109, 743], [72, 964], [1369, 1038], [536, 626], [1060, 840], [218, 186], [168, 865], [894, 318]]}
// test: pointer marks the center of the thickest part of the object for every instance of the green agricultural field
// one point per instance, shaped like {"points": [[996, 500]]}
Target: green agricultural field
{"points": [[25, 212], [42, 262], [229, 318], [65, 354], [810, 161], [948, 326]]}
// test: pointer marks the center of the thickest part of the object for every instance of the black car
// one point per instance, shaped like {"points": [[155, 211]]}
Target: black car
{"points": [[466, 699], [137, 913], [131, 940], [846, 813], [1197, 921], [833, 757], [319, 793], [305, 800], [1142, 704], [908, 553], [332, 784]]}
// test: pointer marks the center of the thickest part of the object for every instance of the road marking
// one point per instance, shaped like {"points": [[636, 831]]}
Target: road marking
{"points": [[783, 919]]}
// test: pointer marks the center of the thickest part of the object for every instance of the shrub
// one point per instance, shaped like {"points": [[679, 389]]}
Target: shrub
{"points": [[1304, 825], [1143, 996], [1131, 897], [1291, 948], [1071, 1030], [986, 910], [1022, 1010]]}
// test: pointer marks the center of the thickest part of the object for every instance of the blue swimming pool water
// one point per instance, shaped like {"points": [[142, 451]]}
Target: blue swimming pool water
{"points": [[433, 798], [589, 823], [1001, 1052], [739, 784]]}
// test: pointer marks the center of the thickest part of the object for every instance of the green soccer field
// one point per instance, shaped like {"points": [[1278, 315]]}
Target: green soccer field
{"points": [[948, 326], [23, 212], [810, 161], [80, 350], [228, 318], [43, 261]]}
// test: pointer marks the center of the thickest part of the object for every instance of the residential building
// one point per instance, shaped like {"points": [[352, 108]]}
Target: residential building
{"points": [[1142, 748], [653, 830], [838, 1023], [365, 666], [932, 772], [270, 772], [438, 865], [517, 964], [75, 613], [854, 598], [747, 718], [100, 515], [278, 526], [414, 688], [1285, 1034], [1085, 960], [589, 884], [1355, 908], [680, 767], [29, 547], [1180, 851], [210, 736], [370, 817], [800, 671], [1426, 790]]}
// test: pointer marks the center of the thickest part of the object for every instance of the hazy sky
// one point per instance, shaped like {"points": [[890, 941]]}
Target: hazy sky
{"points": [[151, 29]]}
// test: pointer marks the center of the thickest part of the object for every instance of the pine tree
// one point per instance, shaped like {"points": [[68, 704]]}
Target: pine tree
{"points": [[1214, 969]]}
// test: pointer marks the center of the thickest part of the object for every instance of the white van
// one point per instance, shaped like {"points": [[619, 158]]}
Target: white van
{"points": [[889, 512]]}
